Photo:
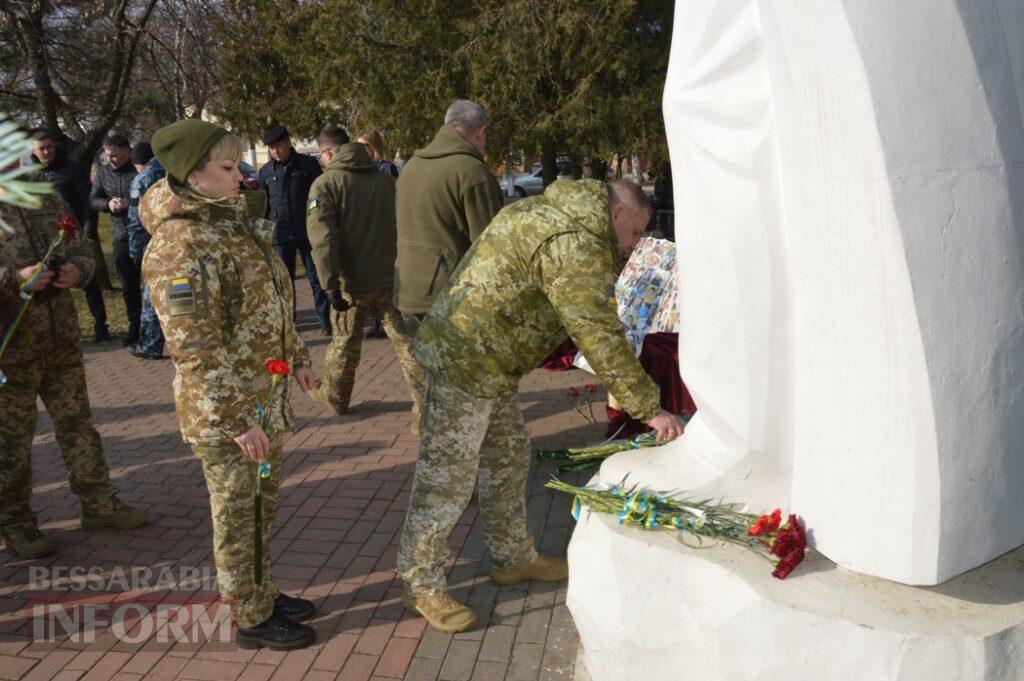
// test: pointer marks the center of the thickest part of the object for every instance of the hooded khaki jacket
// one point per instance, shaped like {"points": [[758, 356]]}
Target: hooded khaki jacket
{"points": [[446, 198], [544, 269], [224, 300], [351, 224]]}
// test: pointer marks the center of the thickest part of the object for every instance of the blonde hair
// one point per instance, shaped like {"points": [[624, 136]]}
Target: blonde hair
{"points": [[375, 141], [227, 148]]}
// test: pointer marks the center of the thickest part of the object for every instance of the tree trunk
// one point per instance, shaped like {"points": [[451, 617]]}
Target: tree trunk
{"points": [[549, 162]]}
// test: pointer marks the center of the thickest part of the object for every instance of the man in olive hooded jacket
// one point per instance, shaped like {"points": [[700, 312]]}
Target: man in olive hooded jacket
{"points": [[350, 219], [446, 198]]}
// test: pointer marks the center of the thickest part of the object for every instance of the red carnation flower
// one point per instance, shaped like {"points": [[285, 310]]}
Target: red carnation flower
{"points": [[278, 367], [766, 524], [790, 546], [68, 225], [591, 387], [573, 392]]}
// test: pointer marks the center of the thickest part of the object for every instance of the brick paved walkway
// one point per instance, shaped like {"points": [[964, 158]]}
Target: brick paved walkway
{"points": [[344, 493]]}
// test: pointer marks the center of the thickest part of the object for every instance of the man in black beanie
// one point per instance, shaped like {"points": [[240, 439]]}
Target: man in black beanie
{"points": [[286, 178]]}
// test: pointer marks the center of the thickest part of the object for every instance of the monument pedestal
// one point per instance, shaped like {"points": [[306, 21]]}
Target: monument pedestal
{"points": [[649, 608]]}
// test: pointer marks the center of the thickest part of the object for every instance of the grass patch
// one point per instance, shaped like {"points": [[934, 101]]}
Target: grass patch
{"points": [[117, 317]]}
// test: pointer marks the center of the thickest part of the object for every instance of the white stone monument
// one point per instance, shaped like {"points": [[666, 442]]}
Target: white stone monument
{"points": [[849, 192]]}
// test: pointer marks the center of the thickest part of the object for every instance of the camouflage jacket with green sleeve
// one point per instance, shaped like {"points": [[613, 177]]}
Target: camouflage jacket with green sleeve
{"points": [[544, 268]]}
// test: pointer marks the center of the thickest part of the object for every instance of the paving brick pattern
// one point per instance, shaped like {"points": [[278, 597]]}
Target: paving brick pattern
{"points": [[344, 492]]}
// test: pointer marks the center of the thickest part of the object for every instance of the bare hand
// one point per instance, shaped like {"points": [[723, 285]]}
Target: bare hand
{"points": [[68, 277], [305, 378], [667, 426], [115, 204], [26, 273], [254, 443]]}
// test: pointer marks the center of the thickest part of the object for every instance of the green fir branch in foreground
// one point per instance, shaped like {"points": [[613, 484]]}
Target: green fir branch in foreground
{"points": [[14, 190]]}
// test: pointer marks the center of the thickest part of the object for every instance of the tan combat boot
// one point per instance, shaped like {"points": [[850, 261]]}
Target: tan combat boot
{"points": [[443, 612], [125, 518], [29, 542], [542, 569]]}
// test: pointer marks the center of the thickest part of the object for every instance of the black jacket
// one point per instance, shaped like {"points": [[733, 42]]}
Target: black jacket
{"points": [[72, 183], [287, 186], [108, 184]]}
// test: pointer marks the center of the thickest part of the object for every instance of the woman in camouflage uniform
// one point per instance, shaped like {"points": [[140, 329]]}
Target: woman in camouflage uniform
{"points": [[225, 303]]}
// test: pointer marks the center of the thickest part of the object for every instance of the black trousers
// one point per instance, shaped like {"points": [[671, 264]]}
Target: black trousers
{"points": [[287, 252], [131, 287]]}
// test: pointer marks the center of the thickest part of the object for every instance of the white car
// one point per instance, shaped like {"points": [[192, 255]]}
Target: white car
{"points": [[531, 183]]}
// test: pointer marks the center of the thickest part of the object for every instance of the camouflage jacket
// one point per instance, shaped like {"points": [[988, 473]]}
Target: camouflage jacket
{"points": [[52, 325], [544, 268], [225, 303]]}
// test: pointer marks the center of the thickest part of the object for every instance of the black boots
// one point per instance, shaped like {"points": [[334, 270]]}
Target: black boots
{"points": [[298, 609], [281, 631]]}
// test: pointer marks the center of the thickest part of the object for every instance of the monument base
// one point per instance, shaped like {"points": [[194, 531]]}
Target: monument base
{"points": [[649, 608]]}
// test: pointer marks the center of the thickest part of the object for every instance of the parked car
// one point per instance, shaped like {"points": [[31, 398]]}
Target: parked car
{"points": [[250, 176], [532, 183]]}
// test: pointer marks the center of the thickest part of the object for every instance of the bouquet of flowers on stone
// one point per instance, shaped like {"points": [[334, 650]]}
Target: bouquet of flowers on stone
{"points": [[699, 523]]}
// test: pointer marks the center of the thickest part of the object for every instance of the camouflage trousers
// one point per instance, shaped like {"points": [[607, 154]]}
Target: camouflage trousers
{"points": [[466, 440], [231, 482], [59, 379], [343, 353]]}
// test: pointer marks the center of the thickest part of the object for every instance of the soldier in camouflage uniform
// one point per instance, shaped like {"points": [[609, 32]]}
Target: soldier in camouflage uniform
{"points": [[544, 268], [224, 301], [44, 360], [351, 224]]}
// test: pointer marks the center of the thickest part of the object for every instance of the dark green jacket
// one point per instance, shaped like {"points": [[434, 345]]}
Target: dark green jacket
{"points": [[544, 269], [351, 224], [446, 198]]}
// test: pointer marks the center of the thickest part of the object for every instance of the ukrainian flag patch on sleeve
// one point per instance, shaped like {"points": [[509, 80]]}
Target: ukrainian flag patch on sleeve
{"points": [[310, 205], [181, 297]]}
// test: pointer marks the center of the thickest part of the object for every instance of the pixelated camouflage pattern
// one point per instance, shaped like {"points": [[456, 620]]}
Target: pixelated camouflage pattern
{"points": [[343, 353], [544, 268], [466, 440], [52, 325], [242, 316], [59, 379], [231, 482]]}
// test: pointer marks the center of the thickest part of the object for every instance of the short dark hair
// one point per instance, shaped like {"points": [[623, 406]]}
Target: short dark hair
{"points": [[333, 136], [117, 142], [629, 192], [44, 134]]}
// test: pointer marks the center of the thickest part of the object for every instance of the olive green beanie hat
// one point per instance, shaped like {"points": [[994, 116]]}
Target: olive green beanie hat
{"points": [[183, 145]]}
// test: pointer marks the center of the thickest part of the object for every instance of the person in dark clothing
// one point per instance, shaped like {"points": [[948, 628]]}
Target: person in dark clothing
{"points": [[374, 143], [111, 189], [664, 205], [151, 337], [287, 178], [72, 183]]}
